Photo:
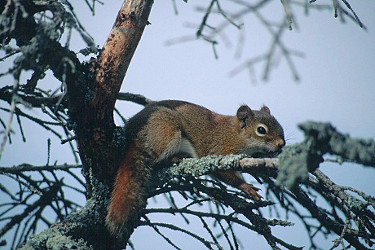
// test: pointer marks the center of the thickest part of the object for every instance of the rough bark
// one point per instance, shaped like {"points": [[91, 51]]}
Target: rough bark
{"points": [[95, 128], [99, 144], [92, 90]]}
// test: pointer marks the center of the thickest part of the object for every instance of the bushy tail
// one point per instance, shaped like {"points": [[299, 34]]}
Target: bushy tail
{"points": [[128, 196]]}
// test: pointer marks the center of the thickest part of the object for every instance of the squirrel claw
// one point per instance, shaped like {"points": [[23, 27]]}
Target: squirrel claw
{"points": [[251, 191]]}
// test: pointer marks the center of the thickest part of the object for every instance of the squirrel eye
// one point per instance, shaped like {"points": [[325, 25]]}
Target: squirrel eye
{"points": [[261, 130]]}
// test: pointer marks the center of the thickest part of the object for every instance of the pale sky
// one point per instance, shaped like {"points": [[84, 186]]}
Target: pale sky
{"points": [[337, 85]]}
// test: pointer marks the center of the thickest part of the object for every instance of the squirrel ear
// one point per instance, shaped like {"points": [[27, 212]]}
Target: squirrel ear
{"points": [[243, 113], [265, 109]]}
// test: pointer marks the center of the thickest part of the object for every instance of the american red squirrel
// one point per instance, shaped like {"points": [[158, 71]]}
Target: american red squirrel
{"points": [[167, 128]]}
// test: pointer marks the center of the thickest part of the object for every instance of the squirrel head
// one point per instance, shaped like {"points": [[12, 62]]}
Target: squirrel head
{"points": [[263, 135]]}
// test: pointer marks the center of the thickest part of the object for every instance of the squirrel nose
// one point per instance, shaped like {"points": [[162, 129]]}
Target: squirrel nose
{"points": [[280, 144]]}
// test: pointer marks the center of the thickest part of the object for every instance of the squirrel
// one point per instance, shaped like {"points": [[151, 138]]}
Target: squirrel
{"points": [[168, 128]]}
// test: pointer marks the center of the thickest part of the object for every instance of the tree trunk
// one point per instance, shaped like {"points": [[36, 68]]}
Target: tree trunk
{"points": [[95, 130], [91, 107]]}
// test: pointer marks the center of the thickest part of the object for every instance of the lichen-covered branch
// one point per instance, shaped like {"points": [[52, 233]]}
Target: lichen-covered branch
{"points": [[38, 38], [24, 208], [298, 164], [329, 140], [30, 34], [205, 165], [186, 180], [27, 167], [296, 168], [89, 90], [320, 139], [79, 230]]}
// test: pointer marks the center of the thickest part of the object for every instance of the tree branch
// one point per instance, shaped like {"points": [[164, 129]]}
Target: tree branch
{"points": [[27, 167]]}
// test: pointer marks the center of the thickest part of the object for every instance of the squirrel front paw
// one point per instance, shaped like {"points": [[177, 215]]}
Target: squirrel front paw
{"points": [[250, 191]]}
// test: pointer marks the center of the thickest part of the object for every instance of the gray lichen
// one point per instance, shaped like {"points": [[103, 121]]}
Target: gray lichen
{"points": [[199, 166], [321, 138], [78, 227], [334, 142], [231, 161], [293, 165], [54, 239]]}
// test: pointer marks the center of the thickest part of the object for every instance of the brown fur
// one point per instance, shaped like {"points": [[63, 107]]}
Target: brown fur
{"points": [[126, 194], [170, 129]]}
